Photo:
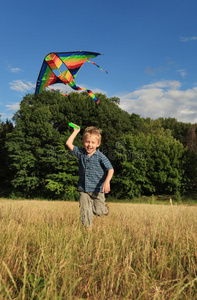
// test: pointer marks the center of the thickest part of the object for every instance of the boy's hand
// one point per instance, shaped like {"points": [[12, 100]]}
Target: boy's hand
{"points": [[74, 125], [106, 187], [77, 129]]}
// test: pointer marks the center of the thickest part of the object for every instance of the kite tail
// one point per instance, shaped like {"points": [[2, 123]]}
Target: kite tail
{"points": [[96, 66], [57, 91], [90, 93]]}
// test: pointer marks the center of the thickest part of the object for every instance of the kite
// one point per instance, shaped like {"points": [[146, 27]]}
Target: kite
{"points": [[62, 67]]}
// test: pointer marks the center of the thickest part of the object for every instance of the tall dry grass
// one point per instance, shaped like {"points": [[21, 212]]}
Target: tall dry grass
{"points": [[137, 252]]}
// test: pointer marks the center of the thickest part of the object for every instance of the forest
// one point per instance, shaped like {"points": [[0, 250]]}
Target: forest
{"points": [[150, 157]]}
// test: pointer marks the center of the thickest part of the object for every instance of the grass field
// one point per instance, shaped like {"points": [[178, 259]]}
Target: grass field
{"points": [[139, 251]]}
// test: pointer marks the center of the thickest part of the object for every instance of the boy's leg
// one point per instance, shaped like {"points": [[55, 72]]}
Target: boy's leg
{"points": [[86, 213], [99, 206]]}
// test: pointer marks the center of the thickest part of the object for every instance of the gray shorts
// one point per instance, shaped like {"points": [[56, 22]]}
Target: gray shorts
{"points": [[91, 204]]}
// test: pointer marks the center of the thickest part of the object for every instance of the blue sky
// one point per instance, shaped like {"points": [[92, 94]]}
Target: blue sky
{"points": [[149, 49]]}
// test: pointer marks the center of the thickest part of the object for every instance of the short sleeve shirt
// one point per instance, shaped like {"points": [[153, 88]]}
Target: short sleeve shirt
{"points": [[92, 170]]}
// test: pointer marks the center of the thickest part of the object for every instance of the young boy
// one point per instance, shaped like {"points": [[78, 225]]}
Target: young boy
{"points": [[95, 173]]}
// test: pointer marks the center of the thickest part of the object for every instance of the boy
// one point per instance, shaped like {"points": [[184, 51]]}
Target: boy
{"points": [[95, 173]]}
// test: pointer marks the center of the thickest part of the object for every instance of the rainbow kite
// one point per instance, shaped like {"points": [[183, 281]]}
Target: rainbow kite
{"points": [[62, 67]]}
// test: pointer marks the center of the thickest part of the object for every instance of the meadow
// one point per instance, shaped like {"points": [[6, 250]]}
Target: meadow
{"points": [[139, 251]]}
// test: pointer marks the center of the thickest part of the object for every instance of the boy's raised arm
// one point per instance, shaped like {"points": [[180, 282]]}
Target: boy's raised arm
{"points": [[70, 140]]}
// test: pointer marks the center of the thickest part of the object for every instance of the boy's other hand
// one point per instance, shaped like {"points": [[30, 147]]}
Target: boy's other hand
{"points": [[106, 187]]}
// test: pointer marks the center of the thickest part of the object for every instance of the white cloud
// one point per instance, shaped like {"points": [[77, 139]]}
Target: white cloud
{"points": [[188, 39], [14, 70], [172, 84], [98, 91], [162, 99], [64, 88], [93, 89], [20, 86], [182, 72], [13, 107]]}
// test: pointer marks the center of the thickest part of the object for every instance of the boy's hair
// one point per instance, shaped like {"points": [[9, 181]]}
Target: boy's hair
{"points": [[93, 131]]}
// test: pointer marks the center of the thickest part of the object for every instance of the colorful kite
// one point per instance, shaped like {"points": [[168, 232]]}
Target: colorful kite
{"points": [[62, 67]]}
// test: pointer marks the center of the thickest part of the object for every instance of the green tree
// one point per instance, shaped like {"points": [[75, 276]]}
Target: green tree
{"points": [[192, 138], [152, 163], [179, 130], [5, 176]]}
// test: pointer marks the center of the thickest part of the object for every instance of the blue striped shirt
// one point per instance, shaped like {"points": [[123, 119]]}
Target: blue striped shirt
{"points": [[92, 170]]}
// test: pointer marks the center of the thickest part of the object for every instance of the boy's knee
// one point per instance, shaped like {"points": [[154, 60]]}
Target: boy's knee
{"points": [[100, 211]]}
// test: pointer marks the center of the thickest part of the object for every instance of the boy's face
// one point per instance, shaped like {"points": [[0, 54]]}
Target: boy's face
{"points": [[90, 143]]}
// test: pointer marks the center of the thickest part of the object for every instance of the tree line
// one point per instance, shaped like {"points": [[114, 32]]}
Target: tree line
{"points": [[149, 156]]}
